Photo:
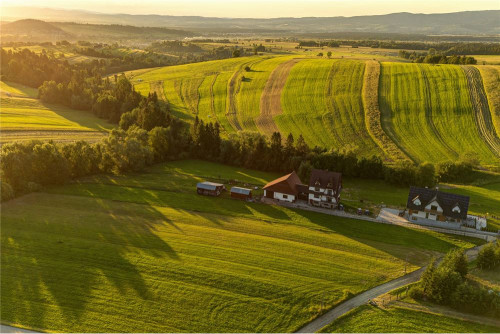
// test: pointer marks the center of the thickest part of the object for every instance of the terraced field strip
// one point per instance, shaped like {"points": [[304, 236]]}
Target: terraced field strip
{"points": [[145, 253], [372, 112], [270, 99], [428, 111], [60, 136], [12, 89], [491, 80], [157, 87], [233, 88], [206, 108], [252, 89], [482, 111]]}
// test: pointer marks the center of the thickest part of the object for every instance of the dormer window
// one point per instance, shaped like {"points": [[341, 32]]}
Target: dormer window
{"points": [[329, 185], [416, 201], [456, 209]]}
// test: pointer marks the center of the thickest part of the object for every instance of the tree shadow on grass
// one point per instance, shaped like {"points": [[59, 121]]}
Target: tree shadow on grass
{"points": [[57, 250], [393, 240]]}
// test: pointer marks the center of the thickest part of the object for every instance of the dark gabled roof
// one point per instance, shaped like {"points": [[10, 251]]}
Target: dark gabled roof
{"points": [[324, 178], [302, 188], [209, 185], [286, 184], [447, 201], [239, 190]]}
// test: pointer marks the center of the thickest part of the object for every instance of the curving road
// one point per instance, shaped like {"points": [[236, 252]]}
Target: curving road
{"points": [[363, 298]]}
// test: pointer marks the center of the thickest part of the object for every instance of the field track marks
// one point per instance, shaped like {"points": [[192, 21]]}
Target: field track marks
{"points": [[482, 113], [270, 100], [428, 111], [372, 112], [157, 87], [232, 91], [491, 80]]}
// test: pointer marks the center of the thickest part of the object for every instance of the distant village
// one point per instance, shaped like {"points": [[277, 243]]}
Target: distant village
{"points": [[424, 206]]}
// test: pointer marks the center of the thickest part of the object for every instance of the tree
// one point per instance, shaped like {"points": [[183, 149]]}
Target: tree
{"points": [[426, 175], [159, 141], [329, 54], [236, 53], [486, 258], [304, 171], [320, 54], [456, 260], [301, 146]]}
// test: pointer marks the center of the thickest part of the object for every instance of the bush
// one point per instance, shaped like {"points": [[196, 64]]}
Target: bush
{"points": [[488, 257], [416, 292], [6, 191], [456, 261]]}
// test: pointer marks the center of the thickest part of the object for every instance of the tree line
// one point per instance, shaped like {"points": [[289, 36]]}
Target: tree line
{"points": [[446, 48], [447, 284], [436, 58]]}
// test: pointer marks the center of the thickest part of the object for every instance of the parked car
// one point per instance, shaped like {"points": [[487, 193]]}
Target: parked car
{"points": [[367, 212], [359, 211], [341, 207]]}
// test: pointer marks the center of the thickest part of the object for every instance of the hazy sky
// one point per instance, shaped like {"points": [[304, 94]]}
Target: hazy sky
{"points": [[261, 8]]}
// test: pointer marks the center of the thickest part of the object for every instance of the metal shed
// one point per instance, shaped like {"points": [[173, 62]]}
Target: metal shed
{"points": [[241, 193], [210, 188]]}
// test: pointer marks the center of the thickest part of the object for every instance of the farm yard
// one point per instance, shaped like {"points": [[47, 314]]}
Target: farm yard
{"points": [[23, 117], [146, 247], [337, 103]]}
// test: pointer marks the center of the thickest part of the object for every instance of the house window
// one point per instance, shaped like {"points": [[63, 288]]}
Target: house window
{"points": [[285, 196], [456, 209], [434, 208], [329, 192], [316, 188], [416, 201]]}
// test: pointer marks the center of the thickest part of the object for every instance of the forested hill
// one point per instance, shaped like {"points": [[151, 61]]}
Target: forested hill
{"points": [[470, 22]]}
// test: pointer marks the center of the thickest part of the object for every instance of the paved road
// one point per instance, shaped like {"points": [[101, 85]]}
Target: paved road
{"points": [[10, 329], [364, 297]]}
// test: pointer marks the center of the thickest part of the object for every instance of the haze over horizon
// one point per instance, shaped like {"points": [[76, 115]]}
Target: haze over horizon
{"points": [[262, 8]]}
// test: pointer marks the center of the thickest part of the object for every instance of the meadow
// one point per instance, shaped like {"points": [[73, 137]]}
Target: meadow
{"points": [[23, 117], [330, 102], [427, 111], [144, 252], [370, 319]]}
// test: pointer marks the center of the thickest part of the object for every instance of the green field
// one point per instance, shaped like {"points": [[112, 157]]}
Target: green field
{"points": [[24, 117], [144, 252], [426, 109], [370, 319]]}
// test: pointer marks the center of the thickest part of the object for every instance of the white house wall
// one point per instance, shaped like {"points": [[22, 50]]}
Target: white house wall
{"points": [[280, 197], [435, 203]]}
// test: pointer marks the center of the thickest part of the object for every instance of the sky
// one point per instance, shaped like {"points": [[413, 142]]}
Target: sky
{"points": [[263, 8]]}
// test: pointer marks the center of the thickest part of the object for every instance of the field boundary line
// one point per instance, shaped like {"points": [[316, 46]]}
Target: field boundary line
{"points": [[482, 114], [373, 116]]}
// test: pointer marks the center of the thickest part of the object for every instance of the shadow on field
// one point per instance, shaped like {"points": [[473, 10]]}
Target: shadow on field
{"points": [[394, 240], [61, 249]]}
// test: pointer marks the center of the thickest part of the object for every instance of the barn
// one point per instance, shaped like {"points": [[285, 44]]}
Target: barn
{"points": [[287, 188], [210, 188], [241, 193]]}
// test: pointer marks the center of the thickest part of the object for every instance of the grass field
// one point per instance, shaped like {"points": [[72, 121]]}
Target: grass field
{"points": [[144, 253], [370, 319], [24, 118], [427, 111]]}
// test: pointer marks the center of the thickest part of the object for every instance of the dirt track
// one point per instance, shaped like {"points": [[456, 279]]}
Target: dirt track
{"points": [[270, 100]]}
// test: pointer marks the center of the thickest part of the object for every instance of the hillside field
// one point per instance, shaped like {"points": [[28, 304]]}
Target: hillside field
{"points": [[23, 117], [370, 319], [430, 112], [148, 249]]}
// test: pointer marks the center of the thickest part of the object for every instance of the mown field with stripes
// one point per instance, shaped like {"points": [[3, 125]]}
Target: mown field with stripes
{"points": [[399, 111]]}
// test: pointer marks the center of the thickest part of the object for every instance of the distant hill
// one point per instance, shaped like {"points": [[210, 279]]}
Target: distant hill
{"points": [[469, 23], [37, 30], [29, 29]]}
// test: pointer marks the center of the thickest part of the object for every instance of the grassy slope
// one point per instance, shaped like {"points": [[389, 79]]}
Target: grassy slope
{"points": [[369, 319], [491, 81], [17, 90], [426, 110], [322, 101], [146, 248]]}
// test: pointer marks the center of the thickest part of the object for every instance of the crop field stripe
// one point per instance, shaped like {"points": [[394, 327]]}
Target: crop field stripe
{"points": [[158, 88], [252, 89], [270, 99], [491, 80], [373, 115], [427, 110], [482, 111], [219, 91]]}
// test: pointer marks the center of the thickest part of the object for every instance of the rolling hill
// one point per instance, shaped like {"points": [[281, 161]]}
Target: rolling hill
{"points": [[363, 106]]}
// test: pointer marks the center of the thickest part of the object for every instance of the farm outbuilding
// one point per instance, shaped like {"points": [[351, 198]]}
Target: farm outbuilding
{"points": [[241, 193], [210, 188]]}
